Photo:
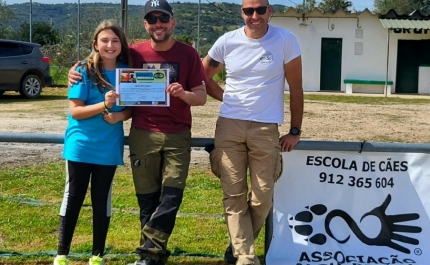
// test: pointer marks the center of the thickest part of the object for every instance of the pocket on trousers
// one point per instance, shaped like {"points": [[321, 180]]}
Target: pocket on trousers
{"points": [[137, 161], [215, 160], [279, 167]]}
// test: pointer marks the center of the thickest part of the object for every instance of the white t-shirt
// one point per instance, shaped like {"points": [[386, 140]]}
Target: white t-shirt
{"points": [[255, 79]]}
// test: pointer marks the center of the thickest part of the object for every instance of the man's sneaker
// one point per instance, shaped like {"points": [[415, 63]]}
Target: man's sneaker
{"points": [[96, 260], [229, 258], [61, 260]]}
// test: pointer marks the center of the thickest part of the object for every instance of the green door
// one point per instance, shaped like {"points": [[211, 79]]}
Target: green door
{"points": [[408, 59], [331, 64]]}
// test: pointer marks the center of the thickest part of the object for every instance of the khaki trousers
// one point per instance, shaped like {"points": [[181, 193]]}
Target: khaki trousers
{"points": [[159, 162], [240, 145]]}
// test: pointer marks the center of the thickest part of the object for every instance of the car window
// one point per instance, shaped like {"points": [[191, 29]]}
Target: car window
{"points": [[26, 49], [8, 49]]}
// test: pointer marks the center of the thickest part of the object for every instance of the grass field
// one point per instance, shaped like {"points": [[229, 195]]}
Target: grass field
{"points": [[31, 196]]}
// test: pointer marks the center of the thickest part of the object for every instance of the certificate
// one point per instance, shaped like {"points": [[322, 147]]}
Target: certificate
{"points": [[142, 87]]}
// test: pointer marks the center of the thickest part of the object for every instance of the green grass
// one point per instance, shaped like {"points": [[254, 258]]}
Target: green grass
{"points": [[30, 200], [380, 100], [59, 75]]}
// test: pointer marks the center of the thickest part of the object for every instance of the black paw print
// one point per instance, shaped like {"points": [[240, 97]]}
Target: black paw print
{"points": [[305, 229]]}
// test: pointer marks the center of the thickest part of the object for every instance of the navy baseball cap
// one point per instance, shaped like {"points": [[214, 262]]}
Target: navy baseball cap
{"points": [[158, 5]]}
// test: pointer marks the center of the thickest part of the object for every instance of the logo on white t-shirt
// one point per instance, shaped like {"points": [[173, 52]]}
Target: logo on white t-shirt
{"points": [[266, 58]]}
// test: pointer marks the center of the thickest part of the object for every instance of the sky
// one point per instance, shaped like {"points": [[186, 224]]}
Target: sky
{"points": [[357, 4]]}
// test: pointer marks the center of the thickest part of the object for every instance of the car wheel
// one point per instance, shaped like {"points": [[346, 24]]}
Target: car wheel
{"points": [[31, 86]]}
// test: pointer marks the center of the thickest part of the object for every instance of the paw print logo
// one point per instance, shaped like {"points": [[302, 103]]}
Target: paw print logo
{"points": [[392, 233], [302, 224]]}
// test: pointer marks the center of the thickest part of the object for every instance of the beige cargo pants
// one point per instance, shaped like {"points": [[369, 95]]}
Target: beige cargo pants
{"points": [[241, 145]]}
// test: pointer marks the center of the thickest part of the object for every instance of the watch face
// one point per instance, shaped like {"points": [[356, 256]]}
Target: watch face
{"points": [[295, 131]]}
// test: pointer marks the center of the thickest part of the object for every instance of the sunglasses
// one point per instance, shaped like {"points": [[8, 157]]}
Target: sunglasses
{"points": [[153, 19], [249, 11]]}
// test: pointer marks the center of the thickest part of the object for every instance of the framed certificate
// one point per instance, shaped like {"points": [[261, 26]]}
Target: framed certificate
{"points": [[142, 87]]}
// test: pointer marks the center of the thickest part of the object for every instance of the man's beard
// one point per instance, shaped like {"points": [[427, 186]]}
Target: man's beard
{"points": [[166, 37]]}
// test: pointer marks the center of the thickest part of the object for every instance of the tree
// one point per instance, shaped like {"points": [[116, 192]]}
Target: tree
{"points": [[42, 33], [402, 6], [6, 14], [184, 39], [332, 6], [307, 7], [135, 29]]}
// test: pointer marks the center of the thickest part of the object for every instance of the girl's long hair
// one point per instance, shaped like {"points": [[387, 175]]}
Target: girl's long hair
{"points": [[94, 61]]}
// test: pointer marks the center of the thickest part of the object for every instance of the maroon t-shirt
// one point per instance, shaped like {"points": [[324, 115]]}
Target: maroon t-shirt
{"points": [[185, 68]]}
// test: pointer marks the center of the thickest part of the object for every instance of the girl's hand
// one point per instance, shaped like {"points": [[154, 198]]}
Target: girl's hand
{"points": [[111, 118], [110, 98]]}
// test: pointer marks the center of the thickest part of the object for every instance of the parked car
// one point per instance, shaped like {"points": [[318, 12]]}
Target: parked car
{"points": [[23, 68]]}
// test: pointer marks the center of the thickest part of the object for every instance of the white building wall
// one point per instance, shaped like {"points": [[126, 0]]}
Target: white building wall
{"points": [[424, 80], [371, 65]]}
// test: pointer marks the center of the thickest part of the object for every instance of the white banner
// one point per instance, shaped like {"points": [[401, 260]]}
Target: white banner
{"points": [[335, 208]]}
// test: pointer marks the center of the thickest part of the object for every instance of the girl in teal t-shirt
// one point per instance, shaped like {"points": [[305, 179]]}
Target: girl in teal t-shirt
{"points": [[94, 139]]}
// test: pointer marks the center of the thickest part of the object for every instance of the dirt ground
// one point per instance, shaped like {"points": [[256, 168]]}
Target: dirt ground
{"points": [[325, 121]]}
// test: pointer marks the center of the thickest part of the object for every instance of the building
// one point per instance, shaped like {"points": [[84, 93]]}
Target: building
{"points": [[362, 52]]}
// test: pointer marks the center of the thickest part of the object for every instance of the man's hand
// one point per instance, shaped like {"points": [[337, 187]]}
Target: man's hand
{"points": [[176, 90], [288, 142], [196, 97], [73, 76]]}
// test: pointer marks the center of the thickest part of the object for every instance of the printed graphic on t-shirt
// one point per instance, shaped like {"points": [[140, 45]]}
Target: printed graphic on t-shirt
{"points": [[266, 58], [173, 69]]}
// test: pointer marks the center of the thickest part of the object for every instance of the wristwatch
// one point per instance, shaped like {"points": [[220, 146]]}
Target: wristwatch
{"points": [[295, 131]]}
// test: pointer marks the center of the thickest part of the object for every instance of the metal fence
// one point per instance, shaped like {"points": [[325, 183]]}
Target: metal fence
{"points": [[203, 142]]}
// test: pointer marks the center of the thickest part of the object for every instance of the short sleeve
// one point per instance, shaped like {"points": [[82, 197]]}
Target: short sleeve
{"points": [[197, 73], [291, 48], [80, 90], [217, 52]]}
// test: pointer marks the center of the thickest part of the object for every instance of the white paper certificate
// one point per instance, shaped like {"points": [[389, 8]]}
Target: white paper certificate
{"points": [[142, 87]]}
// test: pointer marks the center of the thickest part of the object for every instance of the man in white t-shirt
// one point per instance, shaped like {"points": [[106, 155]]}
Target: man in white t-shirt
{"points": [[258, 58]]}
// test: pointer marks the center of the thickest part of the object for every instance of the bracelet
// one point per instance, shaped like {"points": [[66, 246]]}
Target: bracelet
{"points": [[105, 107]]}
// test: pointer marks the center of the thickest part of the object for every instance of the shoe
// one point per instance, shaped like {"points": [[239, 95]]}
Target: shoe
{"points": [[96, 260], [229, 258], [61, 260]]}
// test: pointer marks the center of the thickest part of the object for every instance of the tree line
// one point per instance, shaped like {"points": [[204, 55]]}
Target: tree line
{"points": [[55, 26], [379, 6]]}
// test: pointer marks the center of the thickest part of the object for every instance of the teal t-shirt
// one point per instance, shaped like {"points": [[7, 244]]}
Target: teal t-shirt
{"points": [[93, 140]]}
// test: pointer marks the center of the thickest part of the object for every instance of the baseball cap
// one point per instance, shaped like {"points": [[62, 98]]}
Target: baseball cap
{"points": [[158, 5]]}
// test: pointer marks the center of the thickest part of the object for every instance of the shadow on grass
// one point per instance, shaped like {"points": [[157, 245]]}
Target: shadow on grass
{"points": [[15, 97], [180, 260]]}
